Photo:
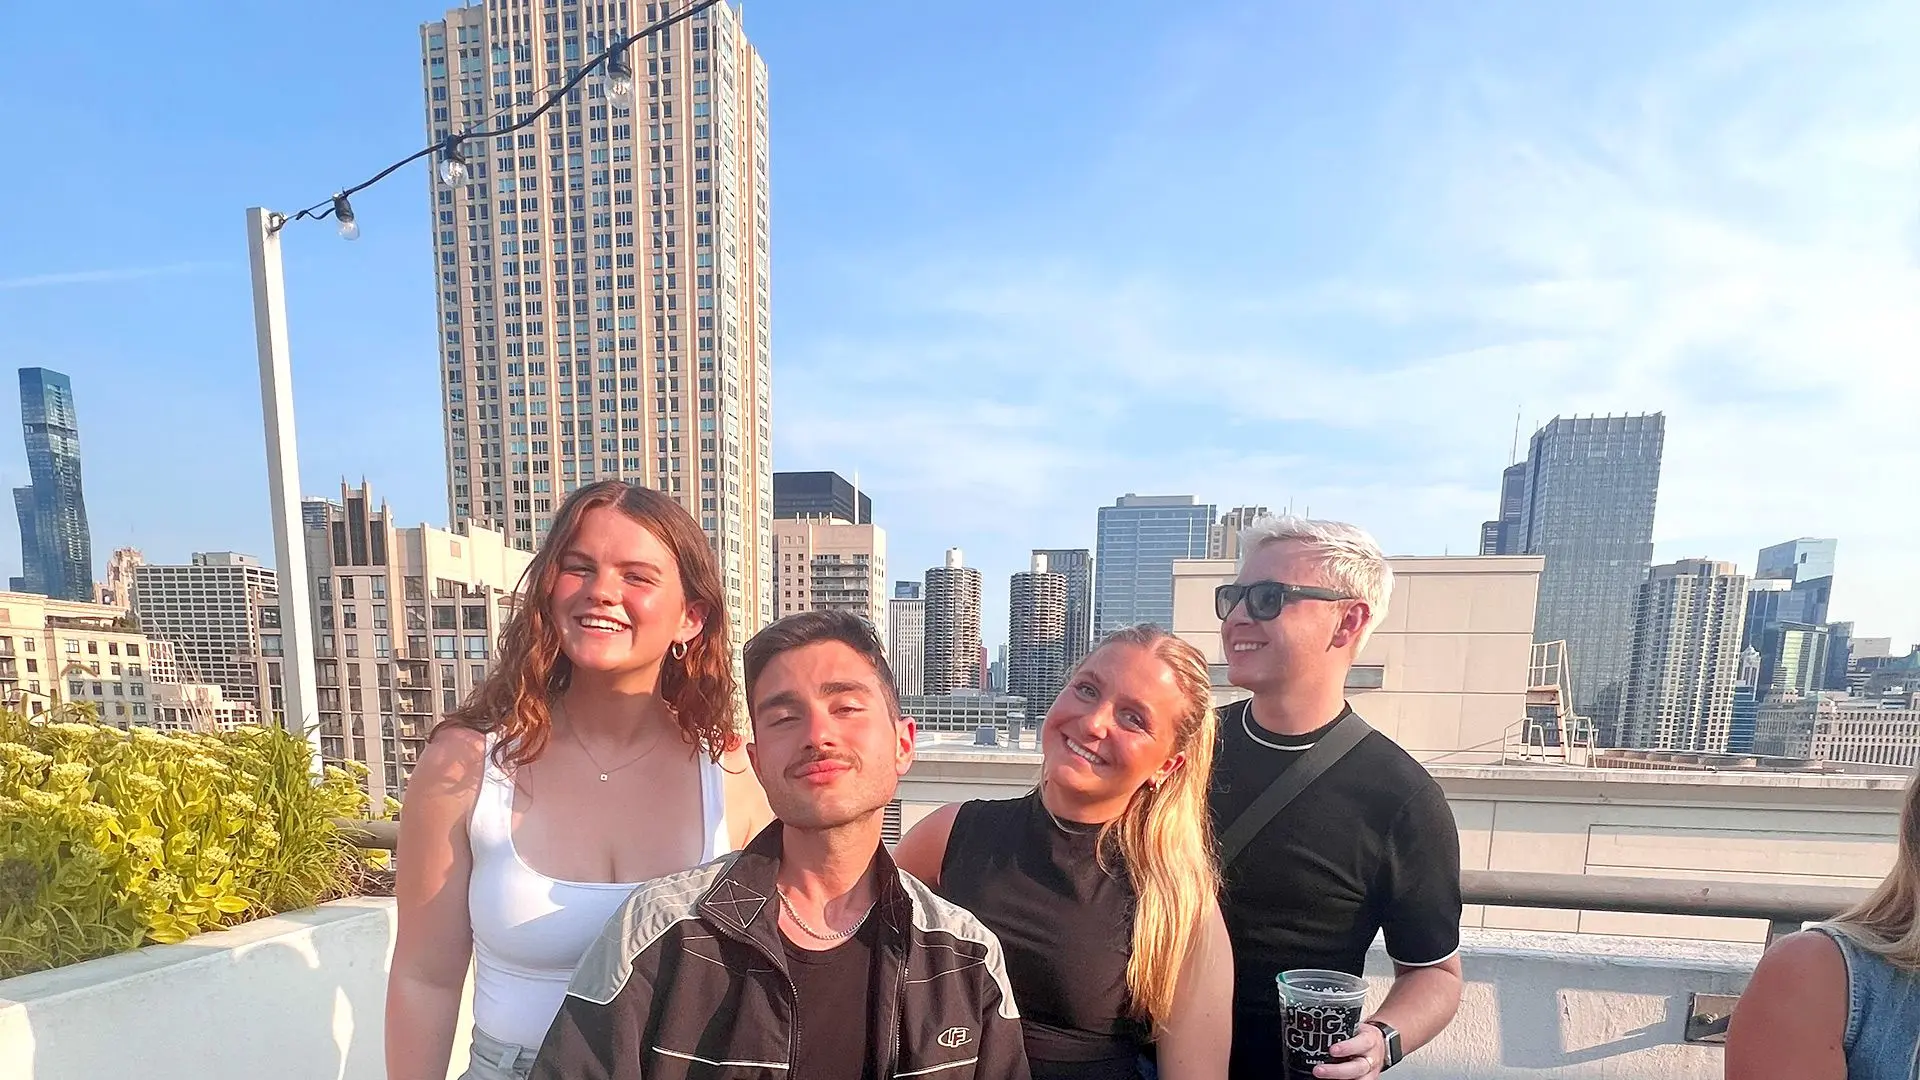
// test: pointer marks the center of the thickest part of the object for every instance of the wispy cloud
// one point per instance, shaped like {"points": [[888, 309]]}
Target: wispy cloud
{"points": [[104, 276], [1731, 236]]}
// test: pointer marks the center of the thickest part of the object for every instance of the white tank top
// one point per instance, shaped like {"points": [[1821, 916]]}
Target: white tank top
{"points": [[530, 930]]}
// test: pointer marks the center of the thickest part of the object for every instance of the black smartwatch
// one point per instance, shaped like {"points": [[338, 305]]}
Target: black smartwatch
{"points": [[1392, 1038]]}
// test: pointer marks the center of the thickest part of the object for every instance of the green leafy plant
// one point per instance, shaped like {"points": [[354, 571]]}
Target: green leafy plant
{"points": [[111, 839]]}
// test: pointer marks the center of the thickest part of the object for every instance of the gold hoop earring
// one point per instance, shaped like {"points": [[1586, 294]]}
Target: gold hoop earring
{"points": [[678, 650]]}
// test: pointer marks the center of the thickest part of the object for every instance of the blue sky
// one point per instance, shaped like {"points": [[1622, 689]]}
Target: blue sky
{"points": [[1318, 253]]}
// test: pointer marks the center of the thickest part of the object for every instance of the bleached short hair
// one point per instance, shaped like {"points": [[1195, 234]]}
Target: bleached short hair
{"points": [[1350, 559]]}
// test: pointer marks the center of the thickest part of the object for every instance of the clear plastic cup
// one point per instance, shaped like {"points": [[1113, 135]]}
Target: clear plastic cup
{"points": [[1319, 1010]]}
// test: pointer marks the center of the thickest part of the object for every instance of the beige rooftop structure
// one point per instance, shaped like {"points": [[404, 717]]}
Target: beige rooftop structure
{"points": [[1445, 673]]}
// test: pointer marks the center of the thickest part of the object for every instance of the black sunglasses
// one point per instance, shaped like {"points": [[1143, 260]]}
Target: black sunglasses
{"points": [[1266, 598]]}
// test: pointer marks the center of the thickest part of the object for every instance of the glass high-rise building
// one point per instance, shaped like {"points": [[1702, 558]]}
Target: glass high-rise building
{"points": [[1139, 539], [602, 274], [56, 548], [1799, 560], [1793, 587], [1076, 565], [1587, 506]]}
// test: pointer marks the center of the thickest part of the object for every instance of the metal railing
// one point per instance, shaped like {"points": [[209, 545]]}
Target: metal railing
{"points": [[1785, 908]]}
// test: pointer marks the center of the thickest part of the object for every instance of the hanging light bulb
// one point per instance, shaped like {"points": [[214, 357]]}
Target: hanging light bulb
{"points": [[453, 164], [343, 213], [619, 76]]}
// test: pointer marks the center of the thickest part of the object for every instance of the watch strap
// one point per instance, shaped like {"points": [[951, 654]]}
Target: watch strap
{"points": [[1394, 1054]]}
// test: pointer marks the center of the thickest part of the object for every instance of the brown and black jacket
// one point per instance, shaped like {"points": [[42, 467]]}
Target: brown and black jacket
{"points": [[689, 980]]}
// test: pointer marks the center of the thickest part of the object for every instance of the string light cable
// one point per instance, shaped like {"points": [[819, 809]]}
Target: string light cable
{"points": [[453, 168]]}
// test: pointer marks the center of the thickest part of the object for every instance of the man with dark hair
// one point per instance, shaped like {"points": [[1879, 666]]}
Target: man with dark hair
{"points": [[808, 955]]}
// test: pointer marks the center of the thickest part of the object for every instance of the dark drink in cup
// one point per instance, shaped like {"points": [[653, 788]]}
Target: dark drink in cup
{"points": [[1318, 1011]]}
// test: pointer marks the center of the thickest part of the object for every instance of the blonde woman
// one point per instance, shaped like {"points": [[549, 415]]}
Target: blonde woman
{"points": [[1101, 883], [1841, 1001]]}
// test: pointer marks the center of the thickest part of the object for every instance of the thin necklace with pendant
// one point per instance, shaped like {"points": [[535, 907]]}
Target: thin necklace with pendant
{"points": [[604, 772], [837, 935]]}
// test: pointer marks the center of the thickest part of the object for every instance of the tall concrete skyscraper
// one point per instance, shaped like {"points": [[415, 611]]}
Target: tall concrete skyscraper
{"points": [[1037, 635], [603, 274], [56, 548], [907, 637], [1139, 538], [1685, 659], [953, 656], [1076, 565], [1586, 504]]}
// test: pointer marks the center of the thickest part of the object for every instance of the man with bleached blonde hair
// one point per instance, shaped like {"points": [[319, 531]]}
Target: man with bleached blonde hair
{"points": [[1329, 833]]}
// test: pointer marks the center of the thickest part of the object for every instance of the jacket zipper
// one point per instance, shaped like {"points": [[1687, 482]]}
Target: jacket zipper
{"points": [[793, 993]]}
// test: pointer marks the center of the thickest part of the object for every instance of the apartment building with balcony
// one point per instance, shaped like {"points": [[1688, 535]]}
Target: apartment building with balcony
{"points": [[407, 620], [69, 651], [828, 564]]}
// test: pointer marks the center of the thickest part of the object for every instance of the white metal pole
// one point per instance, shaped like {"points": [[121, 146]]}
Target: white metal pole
{"points": [[283, 477]]}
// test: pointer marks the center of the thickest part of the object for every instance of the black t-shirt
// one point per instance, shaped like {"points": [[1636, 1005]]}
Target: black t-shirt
{"points": [[833, 1033], [1371, 845]]}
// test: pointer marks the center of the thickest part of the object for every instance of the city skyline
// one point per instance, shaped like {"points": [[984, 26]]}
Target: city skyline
{"points": [[1653, 294]]}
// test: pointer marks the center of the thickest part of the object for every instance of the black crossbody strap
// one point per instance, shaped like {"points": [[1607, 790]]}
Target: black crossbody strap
{"points": [[1314, 761]]}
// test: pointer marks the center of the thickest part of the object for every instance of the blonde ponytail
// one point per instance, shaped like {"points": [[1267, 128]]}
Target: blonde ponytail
{"points": [[1164, 839]]}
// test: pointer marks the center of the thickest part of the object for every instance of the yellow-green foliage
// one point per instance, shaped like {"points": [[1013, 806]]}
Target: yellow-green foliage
{"points": [[110, 840]]}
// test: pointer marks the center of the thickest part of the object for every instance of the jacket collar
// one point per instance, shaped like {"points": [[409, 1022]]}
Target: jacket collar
{"points": [[743, 903]]}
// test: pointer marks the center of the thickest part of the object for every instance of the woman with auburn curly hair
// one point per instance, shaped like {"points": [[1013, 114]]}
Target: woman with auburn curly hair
{"points": [[599, 753]]}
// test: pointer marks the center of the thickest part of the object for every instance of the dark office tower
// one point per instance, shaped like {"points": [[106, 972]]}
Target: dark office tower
{"points": [[1502, 535], [1839, 654], [56, 550], [1076, 565], [954, 660], [819, 495], [1587, 506], [1139, 539], [1037, 635]]}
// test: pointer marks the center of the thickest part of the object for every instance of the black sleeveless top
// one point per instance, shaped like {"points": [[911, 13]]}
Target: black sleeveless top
{"points": [[1065, 925]]}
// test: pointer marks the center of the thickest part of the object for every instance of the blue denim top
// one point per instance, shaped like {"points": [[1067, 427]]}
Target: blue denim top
{"points": [[1883, 1014]]}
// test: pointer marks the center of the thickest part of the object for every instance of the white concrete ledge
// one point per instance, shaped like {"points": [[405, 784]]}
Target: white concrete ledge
{"points": [[303, 996], [1577, 1006], [300, 995]]}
